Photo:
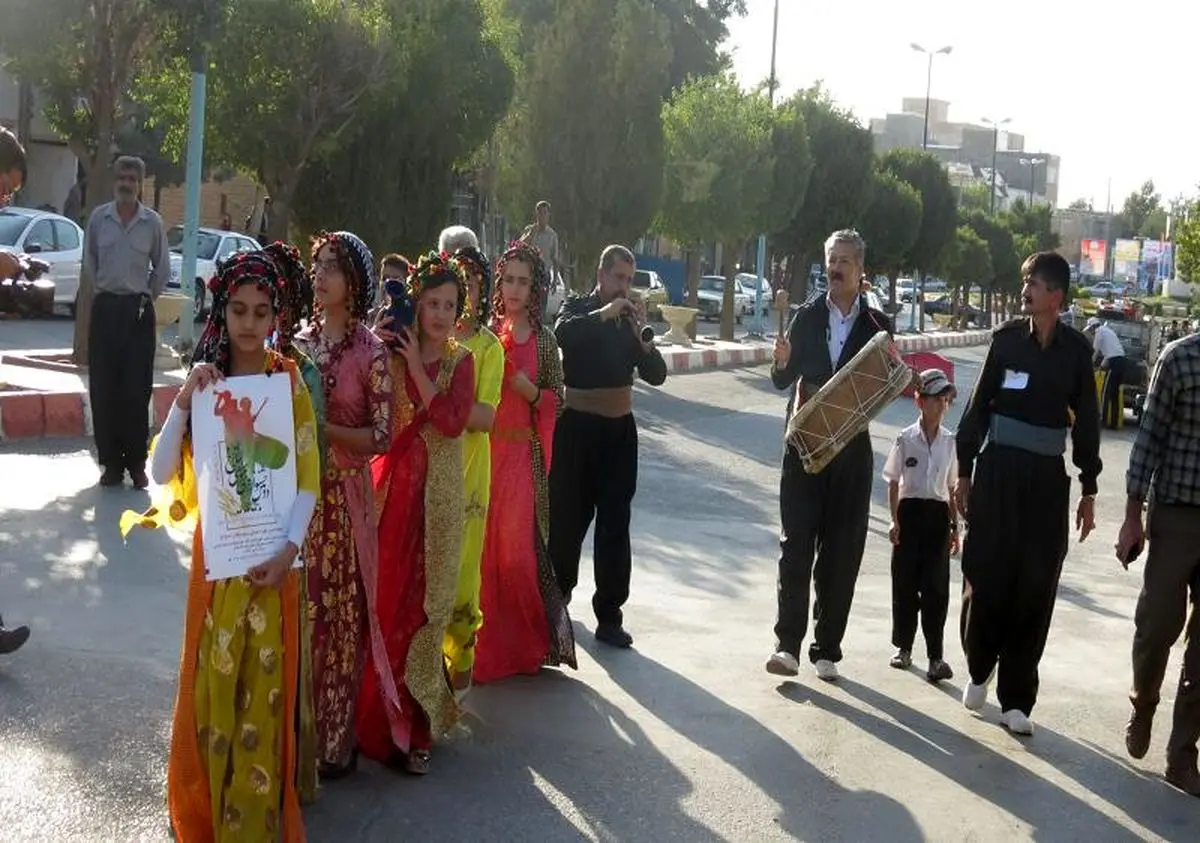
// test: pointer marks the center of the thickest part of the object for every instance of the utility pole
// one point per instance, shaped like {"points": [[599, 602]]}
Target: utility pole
{"points": [[945, 51], [995, 124], [761, 257]]}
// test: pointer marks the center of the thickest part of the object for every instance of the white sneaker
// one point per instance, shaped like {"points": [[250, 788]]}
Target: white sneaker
{"points": [[1016, 722], [974, 696], [826, 670], [783, 663]]}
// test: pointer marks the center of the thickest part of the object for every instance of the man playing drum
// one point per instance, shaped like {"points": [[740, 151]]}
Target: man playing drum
{"points": [[824, 515]]}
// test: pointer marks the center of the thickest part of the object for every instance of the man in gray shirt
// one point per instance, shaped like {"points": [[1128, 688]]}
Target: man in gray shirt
{"points": [[543, 238], [126, 258]]}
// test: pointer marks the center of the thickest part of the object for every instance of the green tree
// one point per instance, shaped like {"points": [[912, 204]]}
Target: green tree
{"points": [[586, 131], [890, 224], [1081, 205], [82, 57], [1006, 263], [1032, 228], [391, 182], [967, 262], [1137, 210], [720, 169], [286, 82], [975, 197], [939, 209], [839, 188], [1187, 248]]}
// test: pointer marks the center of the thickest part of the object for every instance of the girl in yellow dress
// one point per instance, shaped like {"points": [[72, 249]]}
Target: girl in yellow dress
{"points": [[232, 769]]}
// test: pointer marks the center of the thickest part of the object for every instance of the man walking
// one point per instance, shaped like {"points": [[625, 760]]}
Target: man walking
{"points": [[126, 258], [12, 176], [1036, 388], [544, 238], [1164, 466], [594, 470], [1110, 357], [824, 515]]}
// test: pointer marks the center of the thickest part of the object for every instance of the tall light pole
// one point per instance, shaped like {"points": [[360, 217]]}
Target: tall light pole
{"points": [[995, 144], [945, 51], [1032, 163], [761, 256]]}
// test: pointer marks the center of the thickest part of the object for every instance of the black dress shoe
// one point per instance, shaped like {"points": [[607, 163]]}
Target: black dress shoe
{"points": [[139, 478], [614, 635], [112, 477], [1137, 732], [12, 640]]}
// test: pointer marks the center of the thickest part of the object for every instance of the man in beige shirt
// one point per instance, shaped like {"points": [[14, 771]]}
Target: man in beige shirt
{"points": [[125, 256], [544, 238]]}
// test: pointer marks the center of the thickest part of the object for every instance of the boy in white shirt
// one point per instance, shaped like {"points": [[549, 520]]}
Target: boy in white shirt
{"points": [[920, 470]]}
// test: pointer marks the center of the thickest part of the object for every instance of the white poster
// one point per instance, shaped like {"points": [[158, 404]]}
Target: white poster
{"points": [[243, 444]]}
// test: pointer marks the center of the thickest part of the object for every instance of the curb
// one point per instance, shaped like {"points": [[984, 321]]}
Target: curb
{"points": [[35, 415], [29, 414]]}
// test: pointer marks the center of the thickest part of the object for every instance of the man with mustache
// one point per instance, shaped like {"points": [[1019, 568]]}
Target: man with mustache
{"points": [[12, 176], [824, 515], [125, 256], [1036, 388]]}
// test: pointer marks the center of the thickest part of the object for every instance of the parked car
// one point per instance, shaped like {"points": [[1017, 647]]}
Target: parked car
{"points": [[1103, 290], [212, 246], [944, 306], [54, 239], [748, 284], [904, 290], [654, 293], [710, 296]]}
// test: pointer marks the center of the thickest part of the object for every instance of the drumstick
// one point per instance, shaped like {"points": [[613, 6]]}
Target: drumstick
{"points": [[781, 305]]}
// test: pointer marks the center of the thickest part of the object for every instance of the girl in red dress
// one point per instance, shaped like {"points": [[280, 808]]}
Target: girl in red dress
{"points": [[526, 624], [406, 701]]}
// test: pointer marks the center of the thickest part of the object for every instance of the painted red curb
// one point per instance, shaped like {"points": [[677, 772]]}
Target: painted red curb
{"points": [[34, 415]]}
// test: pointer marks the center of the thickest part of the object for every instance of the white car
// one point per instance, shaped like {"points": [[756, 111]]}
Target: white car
{"points": [[212, 247], [710, 296], [52, 238], [747, 284]]}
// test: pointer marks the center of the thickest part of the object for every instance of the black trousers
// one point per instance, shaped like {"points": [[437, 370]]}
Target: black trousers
{"points": [[594, 475], [921, 574], [121, 378], [824, 518], [1012, 559], [1111, 406]]}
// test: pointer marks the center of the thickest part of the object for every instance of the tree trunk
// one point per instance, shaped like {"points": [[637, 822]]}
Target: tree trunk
{"points": [[99, 176], [729, 302]]}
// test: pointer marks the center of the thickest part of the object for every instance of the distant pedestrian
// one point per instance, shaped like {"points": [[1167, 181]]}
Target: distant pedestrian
{"points": [[1110, 358], [544, 238], [920, 472], [126, 262], [1164, 467], [226, 222]]}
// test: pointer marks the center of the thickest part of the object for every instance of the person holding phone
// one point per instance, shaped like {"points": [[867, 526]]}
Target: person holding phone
{"points": [[1036, 390], [1164, 469]]}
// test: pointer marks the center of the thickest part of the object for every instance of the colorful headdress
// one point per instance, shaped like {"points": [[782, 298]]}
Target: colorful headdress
{"points": [[474, 261], [274, 269], [433, 270], [357, 264], [529, 255]]}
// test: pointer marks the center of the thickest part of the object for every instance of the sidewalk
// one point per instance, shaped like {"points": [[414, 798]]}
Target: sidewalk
{"points": [[37, 402]]}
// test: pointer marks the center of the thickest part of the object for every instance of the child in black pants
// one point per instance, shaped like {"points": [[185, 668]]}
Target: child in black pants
{"points": [[920, 470]]}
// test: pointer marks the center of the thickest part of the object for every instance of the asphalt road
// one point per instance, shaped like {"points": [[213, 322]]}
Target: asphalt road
{"points": [[683, 738]]}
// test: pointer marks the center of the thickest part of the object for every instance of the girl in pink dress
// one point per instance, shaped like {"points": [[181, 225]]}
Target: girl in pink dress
{"points": [[527, 624]]}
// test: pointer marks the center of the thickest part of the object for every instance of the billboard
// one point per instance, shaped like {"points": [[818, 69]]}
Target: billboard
{"points": [[1126, 256], [1093, 258], [1155, 265]]}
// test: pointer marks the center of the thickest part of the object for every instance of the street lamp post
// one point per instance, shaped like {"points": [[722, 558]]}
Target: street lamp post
{"points": [[945, 51], [1032, 163], [995, 143], [761, 256]]}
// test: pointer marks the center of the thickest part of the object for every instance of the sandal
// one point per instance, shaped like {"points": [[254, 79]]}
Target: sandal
{"points": [[417, 763], [332, 772]]}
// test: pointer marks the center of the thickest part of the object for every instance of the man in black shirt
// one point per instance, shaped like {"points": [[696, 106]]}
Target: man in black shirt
{"points": [[594, 471], [1035, 388], [824, 515]]}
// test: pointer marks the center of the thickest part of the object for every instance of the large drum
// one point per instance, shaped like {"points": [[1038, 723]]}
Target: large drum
{"points": [[847, 403]]}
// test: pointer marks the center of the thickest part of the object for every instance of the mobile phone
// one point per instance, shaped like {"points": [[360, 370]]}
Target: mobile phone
{"points": [[1134, 553], [401, 306]]}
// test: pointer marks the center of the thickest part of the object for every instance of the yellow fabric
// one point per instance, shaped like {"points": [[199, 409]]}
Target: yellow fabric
{"points": [[459, 646], [232, 770]]}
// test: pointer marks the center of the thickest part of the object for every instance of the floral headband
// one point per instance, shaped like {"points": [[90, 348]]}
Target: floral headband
{"points": [[474, 261], [433, 270]]}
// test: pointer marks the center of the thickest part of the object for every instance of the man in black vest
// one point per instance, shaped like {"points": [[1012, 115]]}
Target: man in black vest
{"points": [[824, 515]]}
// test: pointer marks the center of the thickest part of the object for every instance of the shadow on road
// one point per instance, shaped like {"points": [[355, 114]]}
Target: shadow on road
{"points": [[812, 806], [1051, 812]]}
